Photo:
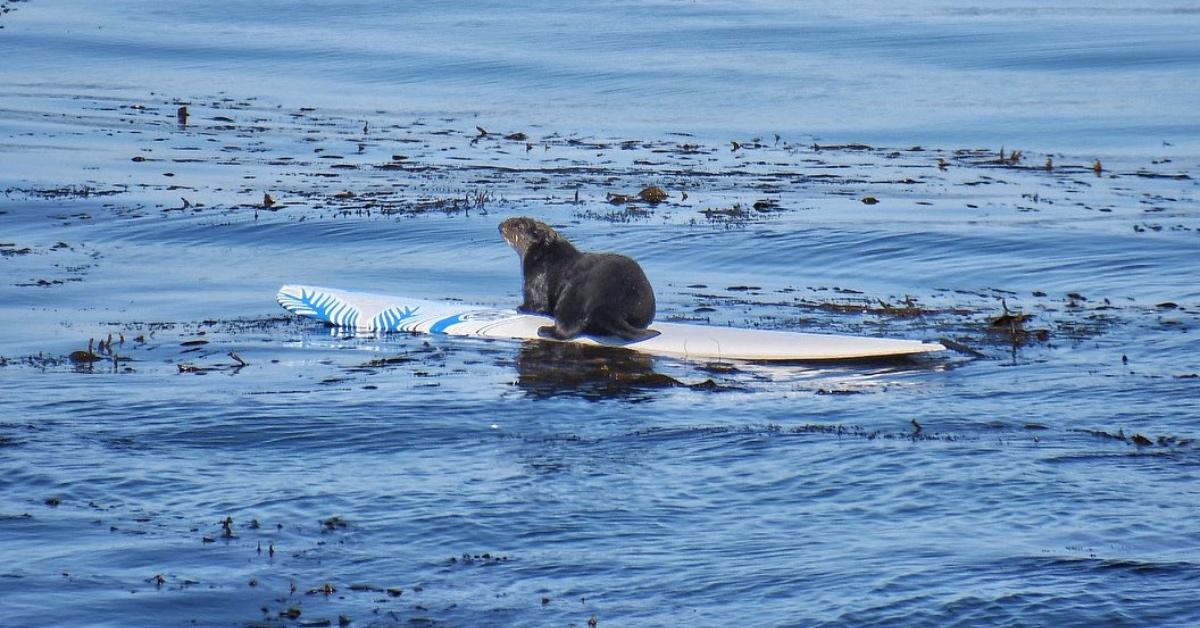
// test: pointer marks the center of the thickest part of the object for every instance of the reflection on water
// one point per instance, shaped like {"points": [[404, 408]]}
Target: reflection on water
{"points": [[550, 369]]}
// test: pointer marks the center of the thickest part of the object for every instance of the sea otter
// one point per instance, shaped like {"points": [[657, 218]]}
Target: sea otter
{"points": [[601, 294]]}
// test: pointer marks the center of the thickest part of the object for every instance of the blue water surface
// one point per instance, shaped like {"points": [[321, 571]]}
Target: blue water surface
{"points": [[1014, 178]]}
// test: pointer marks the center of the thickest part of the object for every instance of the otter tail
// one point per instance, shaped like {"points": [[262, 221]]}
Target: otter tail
{"points": [[613, 328], [622, 329]]}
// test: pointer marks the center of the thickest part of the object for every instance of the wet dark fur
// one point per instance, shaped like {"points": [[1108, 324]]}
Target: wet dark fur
{"points": [[602, 294]]}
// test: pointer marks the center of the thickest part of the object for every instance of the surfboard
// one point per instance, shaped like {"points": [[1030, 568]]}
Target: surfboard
{"points": [[383, 313]]}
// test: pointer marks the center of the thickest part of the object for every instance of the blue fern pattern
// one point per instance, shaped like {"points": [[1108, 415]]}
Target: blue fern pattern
{"points": [[391, 318], [321, 306]]}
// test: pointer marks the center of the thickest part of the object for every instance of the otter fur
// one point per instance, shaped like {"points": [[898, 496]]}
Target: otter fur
{"points": [[601, 294]]}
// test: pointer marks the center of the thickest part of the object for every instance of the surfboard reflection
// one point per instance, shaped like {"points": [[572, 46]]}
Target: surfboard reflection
{"points": [[554, 369]]}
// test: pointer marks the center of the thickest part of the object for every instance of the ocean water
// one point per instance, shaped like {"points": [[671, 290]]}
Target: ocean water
{"points": [[1014, 178]]}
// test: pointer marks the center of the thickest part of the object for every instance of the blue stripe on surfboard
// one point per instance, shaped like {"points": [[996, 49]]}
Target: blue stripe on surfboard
{"points": [[440, 326]]}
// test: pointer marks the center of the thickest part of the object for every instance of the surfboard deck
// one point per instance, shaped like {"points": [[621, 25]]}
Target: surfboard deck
{"points": [[383, 313]]}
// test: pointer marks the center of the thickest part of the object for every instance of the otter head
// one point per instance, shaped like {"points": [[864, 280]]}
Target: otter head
{"points": [[523, 233]]}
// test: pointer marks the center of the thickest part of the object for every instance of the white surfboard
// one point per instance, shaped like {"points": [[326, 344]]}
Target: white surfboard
{"points": [[381, 313]]}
